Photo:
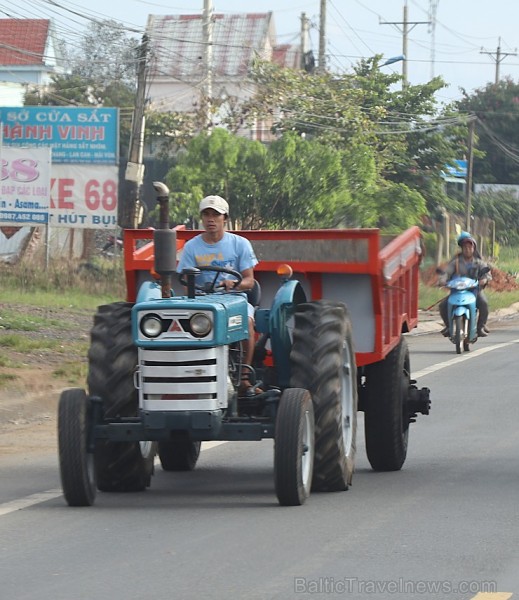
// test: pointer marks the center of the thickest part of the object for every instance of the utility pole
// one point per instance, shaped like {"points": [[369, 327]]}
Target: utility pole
{"points": [[470, 161], [130, 215], [307, 61], [322, 37], [405, 32], [207, 90], [305, 28], [433, 7], [499, 57]]}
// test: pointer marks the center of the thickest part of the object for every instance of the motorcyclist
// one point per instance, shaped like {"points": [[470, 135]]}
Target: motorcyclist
{"points": [[467, 263]]}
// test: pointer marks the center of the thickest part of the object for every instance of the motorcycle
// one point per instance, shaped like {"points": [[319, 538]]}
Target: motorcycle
{"points": [[462, 311], [113, 246]]}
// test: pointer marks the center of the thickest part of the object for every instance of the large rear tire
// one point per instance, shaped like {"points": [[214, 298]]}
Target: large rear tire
{"points": [[323, 362], [78, 478], [120, 466], [179, 454], [386, 420], [294, 447]]}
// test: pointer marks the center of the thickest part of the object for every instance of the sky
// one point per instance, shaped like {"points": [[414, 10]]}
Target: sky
{"points": [[462, 47]]}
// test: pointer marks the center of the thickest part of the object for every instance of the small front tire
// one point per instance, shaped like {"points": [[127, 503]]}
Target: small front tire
{"points": [[77, 469], [294, 447]]}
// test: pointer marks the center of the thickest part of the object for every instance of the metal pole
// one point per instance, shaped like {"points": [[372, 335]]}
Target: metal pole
{"points": [[207, 20], [468, 187], [404, 48], [322, 37], [134, 176]]}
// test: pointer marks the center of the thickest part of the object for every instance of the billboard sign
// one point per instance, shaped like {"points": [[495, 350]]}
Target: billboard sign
{"points": [[76, 134], [84, 198], [25, 185]]}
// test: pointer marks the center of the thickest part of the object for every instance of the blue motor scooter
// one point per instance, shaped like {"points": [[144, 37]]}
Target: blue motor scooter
{"points": [[462, 312]]}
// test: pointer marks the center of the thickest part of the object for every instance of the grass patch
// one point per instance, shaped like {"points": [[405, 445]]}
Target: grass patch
{"points": [[508, 260], [21, 343], [5, 361], [62, 285], [6, 378], [10, 319], [73, 372]]}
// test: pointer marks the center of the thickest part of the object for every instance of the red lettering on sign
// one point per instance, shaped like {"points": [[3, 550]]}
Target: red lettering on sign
{"points": [[64, 191]]}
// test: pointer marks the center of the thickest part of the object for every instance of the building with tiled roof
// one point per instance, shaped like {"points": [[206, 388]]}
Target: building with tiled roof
{"points": [[177, 75], [28, 52]]}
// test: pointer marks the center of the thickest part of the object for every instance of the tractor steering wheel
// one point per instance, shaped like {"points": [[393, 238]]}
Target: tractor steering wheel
{"points": [[210, 286]]}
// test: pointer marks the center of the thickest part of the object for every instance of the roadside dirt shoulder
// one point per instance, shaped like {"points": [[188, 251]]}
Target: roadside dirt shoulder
{"points": [[31, 381]]}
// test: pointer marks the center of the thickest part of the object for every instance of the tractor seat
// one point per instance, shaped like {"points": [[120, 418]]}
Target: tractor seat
{"points": [[254, 294]]}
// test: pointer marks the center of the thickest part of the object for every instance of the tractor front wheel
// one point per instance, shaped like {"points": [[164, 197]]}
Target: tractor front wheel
{"points": [[77, 470], [294, 447]]}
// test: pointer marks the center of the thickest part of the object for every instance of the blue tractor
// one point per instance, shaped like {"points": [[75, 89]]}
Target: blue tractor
{"points": [[164, 375]]}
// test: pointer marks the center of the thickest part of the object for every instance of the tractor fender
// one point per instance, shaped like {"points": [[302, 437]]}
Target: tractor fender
{"points": [[281, 315]]}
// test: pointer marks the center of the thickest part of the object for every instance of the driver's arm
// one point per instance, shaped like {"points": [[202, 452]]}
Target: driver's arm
{"points": [[246, 283]]}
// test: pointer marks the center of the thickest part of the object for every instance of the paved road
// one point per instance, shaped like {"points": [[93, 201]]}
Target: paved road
{"points": [[445, 526]]}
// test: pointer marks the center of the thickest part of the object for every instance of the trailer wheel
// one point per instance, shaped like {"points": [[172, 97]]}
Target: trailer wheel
{"points": [[294, 447], [386, 421], [323, 362], [78, 478], [120, 466], [179, 454]]}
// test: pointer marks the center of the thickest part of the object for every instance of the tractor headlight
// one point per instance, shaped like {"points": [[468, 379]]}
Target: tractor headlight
{"points": [[200, 324], [151, 326]]}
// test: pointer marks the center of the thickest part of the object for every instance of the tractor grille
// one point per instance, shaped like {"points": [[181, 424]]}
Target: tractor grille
{"points": [[185, 379]]}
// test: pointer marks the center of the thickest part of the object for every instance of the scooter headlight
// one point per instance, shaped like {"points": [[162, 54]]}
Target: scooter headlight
{"points": [[151, 326], [200, 324]]}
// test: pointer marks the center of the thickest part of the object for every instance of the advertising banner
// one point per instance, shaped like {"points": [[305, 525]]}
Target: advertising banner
{"points": [[25, 185], [84, 197], [75, 134], [34, 192]]}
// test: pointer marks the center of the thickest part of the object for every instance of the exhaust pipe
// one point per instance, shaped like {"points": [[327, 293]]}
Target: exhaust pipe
{"points": [[165, 242]]}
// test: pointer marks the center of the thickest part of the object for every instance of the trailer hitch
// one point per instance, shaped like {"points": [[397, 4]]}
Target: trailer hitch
{"points": [[418, 401]]}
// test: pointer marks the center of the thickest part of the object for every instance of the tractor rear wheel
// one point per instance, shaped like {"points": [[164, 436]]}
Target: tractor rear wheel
{"points": [[179, 454], [323, 362], [112, 357], [386, 419], [78, 478], [294, 447]]}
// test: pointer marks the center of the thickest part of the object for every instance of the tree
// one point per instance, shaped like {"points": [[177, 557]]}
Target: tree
{"points": [[106, 55], [388, 136], [306, 185], [222, 164], [497, 109]]}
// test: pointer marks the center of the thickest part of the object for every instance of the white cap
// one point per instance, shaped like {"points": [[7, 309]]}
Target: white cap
{"points": [[217, 203]]}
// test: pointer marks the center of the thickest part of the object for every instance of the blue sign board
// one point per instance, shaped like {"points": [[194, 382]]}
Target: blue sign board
{"points": [[458, 169], [76, 135]]}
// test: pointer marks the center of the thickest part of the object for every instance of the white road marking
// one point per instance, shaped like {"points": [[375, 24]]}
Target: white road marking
{"points": [[461, 358], [14, 505]]}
